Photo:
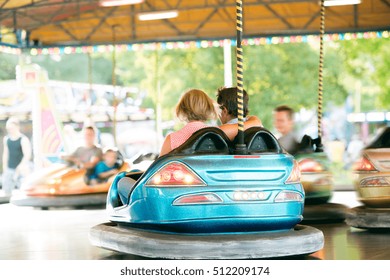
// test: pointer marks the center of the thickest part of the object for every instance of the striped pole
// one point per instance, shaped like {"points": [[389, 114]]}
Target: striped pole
{"points": [[320, 76], [240, 147]]}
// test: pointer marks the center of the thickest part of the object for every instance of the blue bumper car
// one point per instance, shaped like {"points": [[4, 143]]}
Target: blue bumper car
{"points": [[204, 201]]}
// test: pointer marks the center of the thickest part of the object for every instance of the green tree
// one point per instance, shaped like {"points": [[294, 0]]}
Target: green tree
{"points": [[382, 76], [288, 74], [8, 63], [274, 74], [367, 64], [175, 71], [74, 67]]}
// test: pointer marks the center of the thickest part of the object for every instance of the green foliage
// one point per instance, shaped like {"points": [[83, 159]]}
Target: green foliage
{"points": [[75, 67], [273, 74], [367, 64], [102, 69], [271, 78], [288, 74], [8, 63], [167, 74], [382, 77]]}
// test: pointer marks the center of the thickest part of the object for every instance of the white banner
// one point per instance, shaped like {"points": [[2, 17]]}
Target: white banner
{"points": [[193, 269]]}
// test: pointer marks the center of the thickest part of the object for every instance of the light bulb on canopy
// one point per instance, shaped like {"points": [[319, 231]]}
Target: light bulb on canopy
{"points": [[158, 15], [329, 3], [115, 3]]}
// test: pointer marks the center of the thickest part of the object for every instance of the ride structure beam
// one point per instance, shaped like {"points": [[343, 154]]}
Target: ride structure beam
{"points": [[355, 16], [56, 13], [4, 3], [311, 20], [92, 5], [46, 3], [213, 12], [338, 15], [83, 15], [70, 34], [59, 25], [167, 4], [276, 14], [228, 15], [62, 16], [166, 21], [386, 2], [133, 27], [210, 15], [101, 22]]}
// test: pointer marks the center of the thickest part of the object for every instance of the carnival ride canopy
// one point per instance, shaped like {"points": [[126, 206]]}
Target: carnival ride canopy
{"points": [[78, 22]]}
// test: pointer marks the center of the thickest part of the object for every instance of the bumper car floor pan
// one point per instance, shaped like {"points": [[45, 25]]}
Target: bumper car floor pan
{"points": [[300, 240]]}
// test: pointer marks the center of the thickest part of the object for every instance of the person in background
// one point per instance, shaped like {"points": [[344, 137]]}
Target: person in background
{"points": [[16, 156], [86, 156], [284, 123], [227, 101], [105, 168]]}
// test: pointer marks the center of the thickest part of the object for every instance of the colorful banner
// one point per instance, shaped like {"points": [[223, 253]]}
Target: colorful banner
{"points": [[52, 142], [196, 44], [207, 43], [48, 140]]}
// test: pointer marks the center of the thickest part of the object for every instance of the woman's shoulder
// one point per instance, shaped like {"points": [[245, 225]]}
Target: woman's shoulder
{"points": [[194, 126]]}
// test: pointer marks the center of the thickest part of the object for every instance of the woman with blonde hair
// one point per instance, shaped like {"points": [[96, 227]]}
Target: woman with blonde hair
{"points": [[195, 108]]}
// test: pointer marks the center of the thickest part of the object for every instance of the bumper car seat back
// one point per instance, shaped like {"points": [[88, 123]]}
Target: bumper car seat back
{"points": [[209, 140], [125, 185], [260, 140]]}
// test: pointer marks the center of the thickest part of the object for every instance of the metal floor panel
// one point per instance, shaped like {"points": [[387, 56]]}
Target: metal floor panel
{"points": [[62, 234]]}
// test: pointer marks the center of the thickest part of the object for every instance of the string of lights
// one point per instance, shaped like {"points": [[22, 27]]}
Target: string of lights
{"points": [[274, 40]]}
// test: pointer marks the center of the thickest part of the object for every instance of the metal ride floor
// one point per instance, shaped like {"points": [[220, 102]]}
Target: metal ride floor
{"points": [[62, 234]]}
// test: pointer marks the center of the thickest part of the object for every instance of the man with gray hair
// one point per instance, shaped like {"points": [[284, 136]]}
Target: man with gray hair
{"points": [[16, 156]]}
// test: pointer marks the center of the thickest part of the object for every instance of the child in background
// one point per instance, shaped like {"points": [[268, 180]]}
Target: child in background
{"points": [[106, 168]]}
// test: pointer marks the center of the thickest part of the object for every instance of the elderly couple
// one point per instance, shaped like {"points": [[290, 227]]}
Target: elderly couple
{"points": [[196, 108]]}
